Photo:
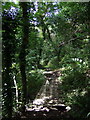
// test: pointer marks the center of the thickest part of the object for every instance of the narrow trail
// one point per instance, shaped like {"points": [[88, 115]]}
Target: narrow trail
{"points": [[47, 104], [50, 88]]}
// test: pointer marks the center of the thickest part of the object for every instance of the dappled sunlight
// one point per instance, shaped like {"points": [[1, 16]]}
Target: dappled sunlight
{"points": [[45, 60]]}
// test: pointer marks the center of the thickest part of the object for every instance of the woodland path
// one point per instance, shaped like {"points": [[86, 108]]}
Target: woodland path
{"points": [[50, 88], [51, 107]]}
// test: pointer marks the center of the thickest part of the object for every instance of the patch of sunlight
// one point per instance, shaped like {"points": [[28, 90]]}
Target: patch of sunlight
{"points": [[15, 1], [63, 68], [83, 92]]}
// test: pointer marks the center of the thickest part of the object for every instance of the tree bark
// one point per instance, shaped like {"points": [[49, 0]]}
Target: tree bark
{"points": [[23, 53], [7, 86], [8, 39]]}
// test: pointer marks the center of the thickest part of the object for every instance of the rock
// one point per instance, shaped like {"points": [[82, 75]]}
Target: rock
{"points": [[60, 108], [38, 102], [68, 108]]}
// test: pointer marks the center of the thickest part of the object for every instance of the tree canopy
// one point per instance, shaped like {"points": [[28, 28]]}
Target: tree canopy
{"points": [[37, 36]]}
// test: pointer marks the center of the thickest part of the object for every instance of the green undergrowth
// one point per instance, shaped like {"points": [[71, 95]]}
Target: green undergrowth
{"points": [[34, 83]]}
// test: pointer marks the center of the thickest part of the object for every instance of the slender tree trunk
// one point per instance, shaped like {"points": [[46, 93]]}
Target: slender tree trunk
{"points": [[16, 89], [22, 55]]}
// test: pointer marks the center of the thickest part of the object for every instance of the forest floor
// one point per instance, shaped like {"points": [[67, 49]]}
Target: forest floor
{"points": [[52, 114]]}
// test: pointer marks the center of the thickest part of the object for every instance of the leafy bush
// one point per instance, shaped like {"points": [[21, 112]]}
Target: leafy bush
{"points": [[76, 90], [35, 81], [53, 63], [81, 106]]}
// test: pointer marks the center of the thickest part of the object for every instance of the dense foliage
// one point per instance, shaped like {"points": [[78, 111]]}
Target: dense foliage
{"points": [[41, 35]]}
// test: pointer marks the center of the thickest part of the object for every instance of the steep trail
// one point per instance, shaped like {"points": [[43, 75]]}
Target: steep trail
{"points": [[47, 104], [50, 88]]}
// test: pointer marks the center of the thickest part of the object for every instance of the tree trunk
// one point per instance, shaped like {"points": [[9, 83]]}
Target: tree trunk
{"points": [[7, 55], [22, 55], [7, 88]]}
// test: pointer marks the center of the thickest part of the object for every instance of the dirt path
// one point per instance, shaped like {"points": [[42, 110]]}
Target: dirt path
{"points": [[51, 108], [50, 88]]}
